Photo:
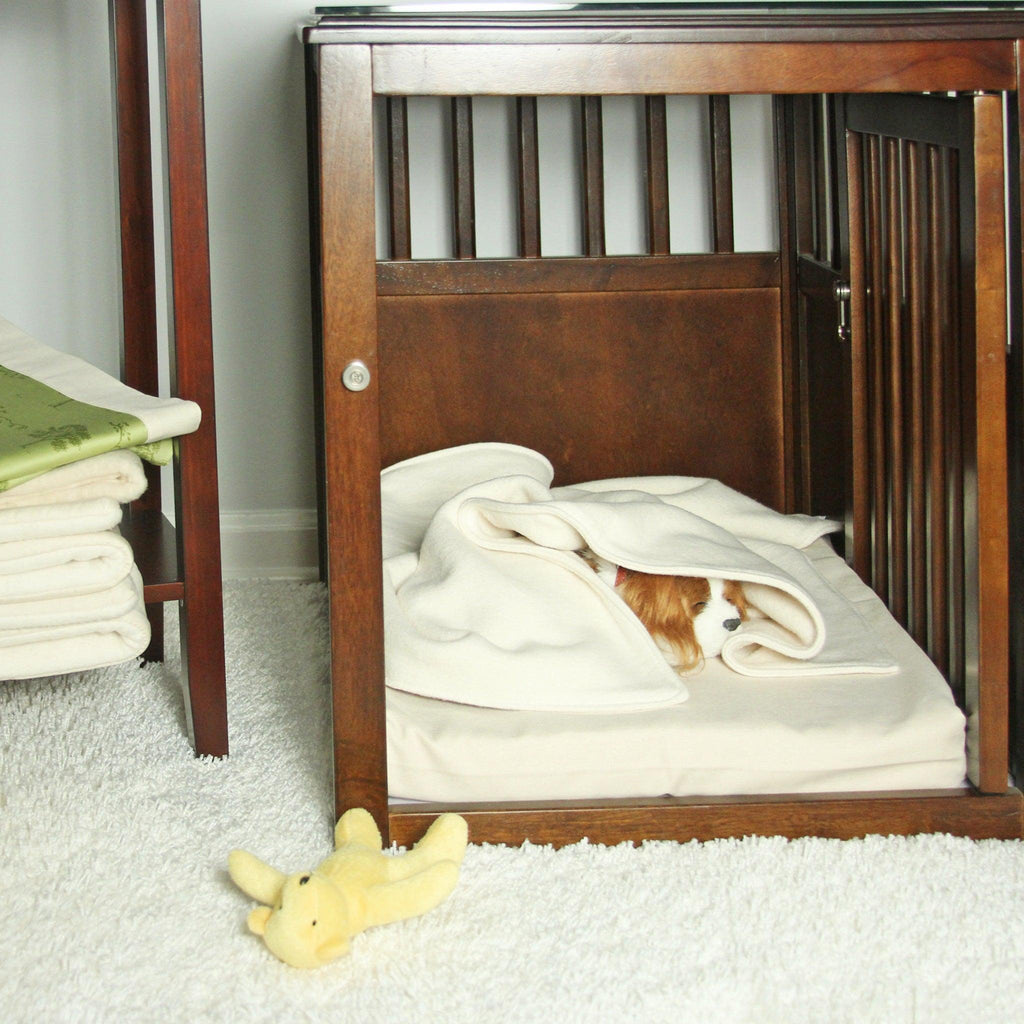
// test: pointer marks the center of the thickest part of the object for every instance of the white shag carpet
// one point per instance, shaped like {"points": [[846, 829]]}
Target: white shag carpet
{"points": [[115, 904]]}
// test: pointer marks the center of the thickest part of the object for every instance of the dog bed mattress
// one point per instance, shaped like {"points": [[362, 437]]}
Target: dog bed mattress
{"points": [[735, 734]]}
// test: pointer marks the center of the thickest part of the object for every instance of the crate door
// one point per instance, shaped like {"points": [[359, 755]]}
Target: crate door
{"points": [[815, 197], [926, 369]]}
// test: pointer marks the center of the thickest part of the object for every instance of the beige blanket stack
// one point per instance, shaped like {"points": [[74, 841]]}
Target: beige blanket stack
{"points": [[70, 593], [71, 437]]}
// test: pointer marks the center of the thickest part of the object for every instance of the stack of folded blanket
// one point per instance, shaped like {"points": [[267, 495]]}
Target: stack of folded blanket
{"points": [[71, 437]]}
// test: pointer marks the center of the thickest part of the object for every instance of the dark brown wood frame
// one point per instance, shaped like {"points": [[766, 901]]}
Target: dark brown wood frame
{"points": [[179, 564], [378, 312]]}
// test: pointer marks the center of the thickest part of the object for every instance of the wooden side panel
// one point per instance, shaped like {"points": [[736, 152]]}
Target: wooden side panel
{"points": [[352, 460], [604, 384], [987, 690]]}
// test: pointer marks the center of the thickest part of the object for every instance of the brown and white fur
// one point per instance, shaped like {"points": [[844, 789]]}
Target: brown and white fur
{"points": [[689, 617]]}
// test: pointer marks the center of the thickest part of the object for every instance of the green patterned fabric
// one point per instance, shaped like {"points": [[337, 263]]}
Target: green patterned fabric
{"points": [[41, 429]]}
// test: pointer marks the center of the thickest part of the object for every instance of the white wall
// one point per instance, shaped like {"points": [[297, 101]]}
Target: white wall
{"points": [[58, 228]]}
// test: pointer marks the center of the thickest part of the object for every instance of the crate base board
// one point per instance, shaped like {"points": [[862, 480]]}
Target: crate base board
{"points": [[834, 816]]}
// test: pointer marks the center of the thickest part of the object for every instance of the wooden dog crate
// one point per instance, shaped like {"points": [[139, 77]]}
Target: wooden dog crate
{"points": [[861, 367]]}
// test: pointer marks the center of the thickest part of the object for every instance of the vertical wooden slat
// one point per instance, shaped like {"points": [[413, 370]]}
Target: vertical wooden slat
{"points": [[593, 177], [822, 205], [989, 704], [465, 201], [352, 456], [657, 176], [876, 374], [787, 157], [803, 177], [954, 419], [936, 290], [720, 123], [859, 515], [528, 174], [197, 502], [894, 372], [139, 340], [915, 297], [398, 177]]}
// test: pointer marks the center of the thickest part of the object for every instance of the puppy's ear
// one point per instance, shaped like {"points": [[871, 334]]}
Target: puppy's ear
{"points": [[664, 605], [733, 591]]}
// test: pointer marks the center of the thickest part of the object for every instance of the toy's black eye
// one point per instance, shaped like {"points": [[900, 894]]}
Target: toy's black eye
{"points": [[314, 924], [304, 879]]}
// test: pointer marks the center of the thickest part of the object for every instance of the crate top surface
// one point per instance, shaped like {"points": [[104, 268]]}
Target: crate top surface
{"points": [[535, 21]]}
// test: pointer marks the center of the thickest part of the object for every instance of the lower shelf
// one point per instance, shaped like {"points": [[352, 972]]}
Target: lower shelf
{"points": [[155, 547]]}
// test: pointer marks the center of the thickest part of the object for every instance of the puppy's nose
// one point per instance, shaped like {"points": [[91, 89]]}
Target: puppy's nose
{"points": [[731, 624]]}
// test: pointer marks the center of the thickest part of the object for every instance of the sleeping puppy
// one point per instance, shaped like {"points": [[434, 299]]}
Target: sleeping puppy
{"points": [[688, 617]]}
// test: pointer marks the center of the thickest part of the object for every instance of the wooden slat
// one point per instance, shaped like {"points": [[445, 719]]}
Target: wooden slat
{"points": [[593, 176], [859, 514], [915, 299], [876, 374], [656, 136], [695, 68], [463, 179], [938, 325], [787, 161], [195, 470], [803, 189], [580, 274], [989, 705], [135, 205], [139, 339], [896, 439], [956, 493], [720, 126], [833, 815], [822, 198], [398, 178], [528, 176], [352, 456]]}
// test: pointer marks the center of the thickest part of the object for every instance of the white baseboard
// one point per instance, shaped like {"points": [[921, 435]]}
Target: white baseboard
{"points": [[274, 545]]}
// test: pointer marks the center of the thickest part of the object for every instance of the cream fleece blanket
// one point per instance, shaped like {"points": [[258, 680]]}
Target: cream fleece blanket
{"points": [[487, 603]]}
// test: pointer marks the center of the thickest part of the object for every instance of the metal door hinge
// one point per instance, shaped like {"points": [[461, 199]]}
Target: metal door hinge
{"points": [[841, 292]]}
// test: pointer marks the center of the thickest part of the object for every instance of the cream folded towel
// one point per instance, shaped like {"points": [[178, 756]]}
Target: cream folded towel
{"points": [[60, 567], [117, 475], [73, 634], [64, 520]]}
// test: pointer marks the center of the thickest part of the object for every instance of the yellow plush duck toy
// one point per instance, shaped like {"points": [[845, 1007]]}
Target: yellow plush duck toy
{"points": [[309, 918]]}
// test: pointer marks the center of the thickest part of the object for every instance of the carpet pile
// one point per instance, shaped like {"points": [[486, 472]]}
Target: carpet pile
{"points": [[115, 904]]}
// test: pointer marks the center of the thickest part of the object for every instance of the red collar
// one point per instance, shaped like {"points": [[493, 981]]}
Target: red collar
{"points": [[620, 575]]}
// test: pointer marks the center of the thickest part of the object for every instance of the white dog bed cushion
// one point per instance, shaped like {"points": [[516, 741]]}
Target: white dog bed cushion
{"points": [[736, 734]]}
